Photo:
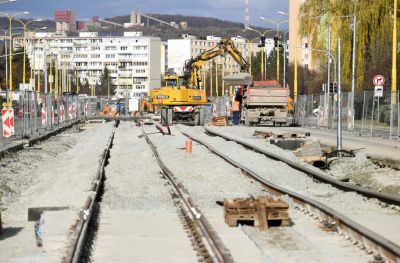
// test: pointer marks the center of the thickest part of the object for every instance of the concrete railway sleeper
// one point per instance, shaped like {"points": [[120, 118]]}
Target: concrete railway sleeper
{"points": [[206, 241], [329, 218]]}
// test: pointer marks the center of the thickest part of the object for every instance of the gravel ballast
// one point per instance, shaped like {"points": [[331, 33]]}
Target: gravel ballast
{"points": [[208, 179], [139, 221], [55, 173], [368, 212]]}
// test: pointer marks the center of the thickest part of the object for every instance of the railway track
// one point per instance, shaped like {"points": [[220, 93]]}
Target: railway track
{"points": [[215, 251], [315, 174], [81, 233], [205, 241], [331, 220]]}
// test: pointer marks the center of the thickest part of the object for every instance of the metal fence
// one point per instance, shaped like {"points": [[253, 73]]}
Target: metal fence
{"points": [[371, 115], [37, 113]]}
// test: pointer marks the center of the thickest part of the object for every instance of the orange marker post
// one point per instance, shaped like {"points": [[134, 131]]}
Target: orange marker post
{"points": [[189, 146]]}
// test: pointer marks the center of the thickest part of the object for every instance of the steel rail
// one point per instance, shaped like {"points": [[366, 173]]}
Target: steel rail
{"points": [[315, 174], [361, 235], [80, 231], [220, 251]]}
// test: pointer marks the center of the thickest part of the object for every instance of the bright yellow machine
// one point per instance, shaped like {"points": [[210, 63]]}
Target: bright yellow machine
{"points": [[183, 98], [146, 106]]}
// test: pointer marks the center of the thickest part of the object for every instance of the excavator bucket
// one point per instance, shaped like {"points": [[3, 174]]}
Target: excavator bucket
{"points": [[241, 79]]}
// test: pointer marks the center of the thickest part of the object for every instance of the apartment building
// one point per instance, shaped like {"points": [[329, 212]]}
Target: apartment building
{"points": [[181, 50], [133, 60], [298, 45]]}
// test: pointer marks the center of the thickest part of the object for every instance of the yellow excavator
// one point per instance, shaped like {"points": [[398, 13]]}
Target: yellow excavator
{"points": [[183, 98], [146, 106]]}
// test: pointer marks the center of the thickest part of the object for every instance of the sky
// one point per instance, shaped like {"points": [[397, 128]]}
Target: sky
{"points": [[232, 10]]}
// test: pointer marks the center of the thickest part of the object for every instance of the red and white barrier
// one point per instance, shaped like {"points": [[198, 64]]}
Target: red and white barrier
{"points": [[183, 108], [61, 114], [7, 117], [44, 117], [71, 112]]}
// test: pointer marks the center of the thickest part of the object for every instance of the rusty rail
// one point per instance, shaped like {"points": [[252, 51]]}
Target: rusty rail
{"points": [[364, 237], [221, 253], [79, 234]]}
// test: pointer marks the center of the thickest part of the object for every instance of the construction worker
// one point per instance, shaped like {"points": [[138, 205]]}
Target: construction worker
{"points": [[236, 111], [118, 108]]}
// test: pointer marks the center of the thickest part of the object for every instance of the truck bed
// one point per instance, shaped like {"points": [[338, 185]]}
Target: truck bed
{"points": [[265, 96]]}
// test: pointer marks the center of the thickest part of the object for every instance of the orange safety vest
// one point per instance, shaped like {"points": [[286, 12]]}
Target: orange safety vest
{"points": [[235, 106]]}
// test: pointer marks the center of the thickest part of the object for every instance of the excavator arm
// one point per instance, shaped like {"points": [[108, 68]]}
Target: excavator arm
{"points": [[193, 66]]}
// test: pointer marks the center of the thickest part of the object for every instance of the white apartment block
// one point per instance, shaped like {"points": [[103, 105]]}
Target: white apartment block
{"points": [[298, 45], [181, 50], [133, 60]]}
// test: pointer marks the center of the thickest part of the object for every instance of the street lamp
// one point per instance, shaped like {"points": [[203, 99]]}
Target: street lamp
{"points": [[262, 35], [25, 25], [277, 23], [284, 58], [5, 32], [34, 54], [250, 43], [10, 18]]}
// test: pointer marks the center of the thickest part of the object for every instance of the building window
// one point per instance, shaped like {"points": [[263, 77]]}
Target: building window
{"points": [[110, 55], [124, 48], [306, 45], [306, 66], [140, 63]]}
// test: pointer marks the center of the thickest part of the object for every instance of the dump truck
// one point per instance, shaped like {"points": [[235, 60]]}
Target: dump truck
{"points": [[264, 102]]}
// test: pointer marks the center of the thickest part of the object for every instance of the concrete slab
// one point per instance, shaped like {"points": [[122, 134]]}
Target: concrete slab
{"points": [[142, 236], [237, 241], [370, 146]]}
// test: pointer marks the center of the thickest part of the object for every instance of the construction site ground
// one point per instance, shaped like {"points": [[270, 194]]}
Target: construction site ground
{"points": [[55, 173], [376, 164], [138, 219]]}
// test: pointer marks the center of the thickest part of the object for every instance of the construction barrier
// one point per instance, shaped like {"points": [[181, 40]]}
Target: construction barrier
{"points": [[366, 114]]}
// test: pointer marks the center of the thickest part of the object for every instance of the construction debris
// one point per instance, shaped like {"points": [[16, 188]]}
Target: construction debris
{"points": [[220, 121], [270, 134], [309, 150], [312, 153], [260, 212]]}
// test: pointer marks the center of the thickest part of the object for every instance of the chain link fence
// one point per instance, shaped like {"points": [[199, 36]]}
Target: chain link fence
{"points": [[371, 115]]}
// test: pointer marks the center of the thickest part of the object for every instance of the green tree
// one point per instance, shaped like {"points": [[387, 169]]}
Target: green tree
{"points": [[105, 82], [374, 26]]}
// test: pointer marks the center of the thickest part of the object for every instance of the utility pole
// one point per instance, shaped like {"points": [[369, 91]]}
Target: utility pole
{"points": [[353, 64], [339, 103], [45, 70], [394, 69]]}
